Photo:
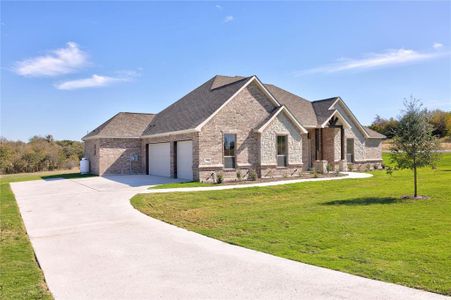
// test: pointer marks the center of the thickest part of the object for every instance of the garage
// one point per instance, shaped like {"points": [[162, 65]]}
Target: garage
{"points": [[185, 160], [160, 159]]}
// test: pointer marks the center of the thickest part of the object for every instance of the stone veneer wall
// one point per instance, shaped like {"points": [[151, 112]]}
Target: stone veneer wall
{"points": [[91, 152], [367, 152], [356, 134], [281, 125], [248, 110], [171, 138], [116, 156], [373, 149]]}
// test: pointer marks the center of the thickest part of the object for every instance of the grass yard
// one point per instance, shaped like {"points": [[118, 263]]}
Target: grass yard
{"points": [[20, 275], [175, 185], [359, 226]]}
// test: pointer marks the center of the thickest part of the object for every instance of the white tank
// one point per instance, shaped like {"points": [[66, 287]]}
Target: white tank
{"points": [[84, 166]]}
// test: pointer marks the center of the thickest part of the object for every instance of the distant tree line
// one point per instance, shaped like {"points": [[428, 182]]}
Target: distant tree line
{"points": [[39, 154], [440, 121]]}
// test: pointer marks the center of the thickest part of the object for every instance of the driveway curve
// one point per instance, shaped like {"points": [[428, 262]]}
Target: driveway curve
{"points": [[92, 244]]}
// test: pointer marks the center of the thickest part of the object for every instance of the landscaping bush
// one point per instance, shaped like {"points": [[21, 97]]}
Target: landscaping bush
{"points": [[219, 178], [39, 154], [252, 175]]}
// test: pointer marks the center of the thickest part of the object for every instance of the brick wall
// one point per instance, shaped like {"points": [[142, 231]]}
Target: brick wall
{"points": [[91, 152], [116, 156], [171, 138]]}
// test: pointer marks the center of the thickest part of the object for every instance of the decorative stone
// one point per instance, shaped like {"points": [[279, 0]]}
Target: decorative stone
{"points": [[320, 166], [343, 166]]}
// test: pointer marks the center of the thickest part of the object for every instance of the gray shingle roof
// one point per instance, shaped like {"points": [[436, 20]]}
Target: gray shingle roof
{"points": [[374, 134], [301, 108], [194, 108], [321, 108], [123, 124], [220, 81]]}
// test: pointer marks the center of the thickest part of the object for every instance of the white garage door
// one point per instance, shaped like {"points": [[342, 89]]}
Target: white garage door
{"points": [[159, 159], [185, 160]]}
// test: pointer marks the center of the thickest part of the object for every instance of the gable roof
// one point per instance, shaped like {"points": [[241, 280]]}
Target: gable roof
{"points": [[122, 125], [322, 109], [301, 108], [192, 109], [290, 116]]}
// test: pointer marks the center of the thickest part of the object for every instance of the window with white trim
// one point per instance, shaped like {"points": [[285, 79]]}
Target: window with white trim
{"points": [[229, 151], [282, 150]]}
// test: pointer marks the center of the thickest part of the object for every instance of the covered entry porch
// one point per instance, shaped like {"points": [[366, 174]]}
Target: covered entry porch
{"points": [[330, 148]]}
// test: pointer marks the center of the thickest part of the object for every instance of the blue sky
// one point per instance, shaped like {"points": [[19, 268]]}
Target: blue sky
{"points": [[67, 67]]}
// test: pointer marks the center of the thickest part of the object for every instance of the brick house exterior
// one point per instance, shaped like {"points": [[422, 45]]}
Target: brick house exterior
{"points": [[234, 126]]}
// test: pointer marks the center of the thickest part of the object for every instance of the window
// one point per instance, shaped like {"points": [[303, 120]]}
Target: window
{"points": [[95, 149], [229, 151], [350, 150], [282, 152]]}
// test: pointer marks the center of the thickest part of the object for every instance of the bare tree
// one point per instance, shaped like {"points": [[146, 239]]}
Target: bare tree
{"points": [[414, 145]]}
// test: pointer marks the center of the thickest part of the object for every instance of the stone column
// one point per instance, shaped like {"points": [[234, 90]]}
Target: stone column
{"points": [[343, 165], [320, 166]]}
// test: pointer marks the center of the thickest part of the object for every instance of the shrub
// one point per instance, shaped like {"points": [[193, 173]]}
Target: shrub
{"points": [[219, 178], [252, 175], [238, 175], [389, 170], [329, 167]]}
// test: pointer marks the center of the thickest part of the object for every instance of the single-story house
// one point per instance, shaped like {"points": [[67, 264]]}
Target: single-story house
{"points": [[232, 125]]}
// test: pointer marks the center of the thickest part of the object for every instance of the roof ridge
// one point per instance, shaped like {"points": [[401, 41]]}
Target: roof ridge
{"points": [[331, 98], [238, 79], [135, 113]]}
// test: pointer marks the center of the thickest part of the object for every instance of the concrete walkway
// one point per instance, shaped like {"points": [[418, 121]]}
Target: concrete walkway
{"points": [[348, 175], [92, 244]]}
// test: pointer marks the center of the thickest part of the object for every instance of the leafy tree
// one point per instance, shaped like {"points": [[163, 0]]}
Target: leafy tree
{"points": [[414, 144], [385, 126], [441, 121], [39, 154]]}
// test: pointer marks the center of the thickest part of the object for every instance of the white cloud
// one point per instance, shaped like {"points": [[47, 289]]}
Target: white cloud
{"points": [[229, 19], [57, 62], [375, 60], [437, 45], [218, 6], [96, 81]]}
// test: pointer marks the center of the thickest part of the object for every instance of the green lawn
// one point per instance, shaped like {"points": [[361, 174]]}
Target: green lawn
{"points": [[358, 226], [20, 275], [175, 185]]}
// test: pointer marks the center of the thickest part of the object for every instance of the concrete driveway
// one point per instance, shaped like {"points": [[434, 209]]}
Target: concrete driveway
{"points": [[92, 244]]}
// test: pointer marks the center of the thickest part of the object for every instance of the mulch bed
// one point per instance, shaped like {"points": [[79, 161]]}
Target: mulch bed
{"points": [[304, 176]]}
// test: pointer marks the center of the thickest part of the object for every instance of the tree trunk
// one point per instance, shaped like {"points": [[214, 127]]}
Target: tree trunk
{"points": [[415, 181]]}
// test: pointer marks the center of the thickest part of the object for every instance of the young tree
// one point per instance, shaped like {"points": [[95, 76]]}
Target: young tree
{"points": [[414, 145]]}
